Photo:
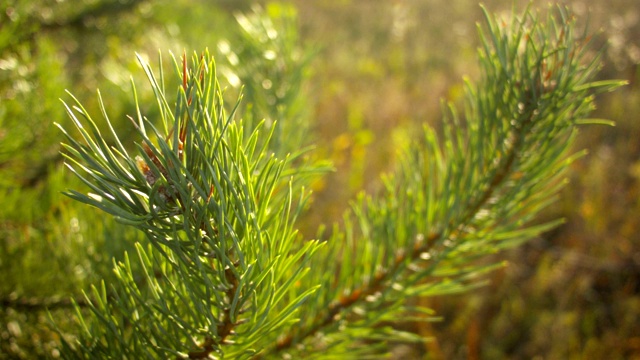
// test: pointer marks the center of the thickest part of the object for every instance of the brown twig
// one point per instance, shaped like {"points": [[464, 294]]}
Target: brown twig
{"points": [[39, 304], [358, 294], [226, 326]]}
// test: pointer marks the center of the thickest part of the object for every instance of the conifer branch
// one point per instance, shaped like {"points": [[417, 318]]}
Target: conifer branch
{"points": [[219, 210], [536, 102], [381, 280]]}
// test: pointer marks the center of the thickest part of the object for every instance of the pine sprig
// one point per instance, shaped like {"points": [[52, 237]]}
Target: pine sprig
{"points": [[218, 213], [472, 194]]}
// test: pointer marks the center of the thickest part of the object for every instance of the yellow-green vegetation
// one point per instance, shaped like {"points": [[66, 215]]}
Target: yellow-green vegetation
{"points": [[368, 74]]}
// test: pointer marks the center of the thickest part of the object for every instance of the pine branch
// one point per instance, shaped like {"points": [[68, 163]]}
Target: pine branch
{"points": [[219, 210], [539, 90], [381, 280], [204, 195]]}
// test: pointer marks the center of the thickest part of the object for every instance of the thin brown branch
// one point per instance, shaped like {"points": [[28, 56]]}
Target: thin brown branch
{"points": [[225, 328], [358, 294], [99, 10], [227, 325], [40, 304]]}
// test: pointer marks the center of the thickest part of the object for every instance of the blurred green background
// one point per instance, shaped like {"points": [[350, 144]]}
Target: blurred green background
{"points": [[379, 69]]}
